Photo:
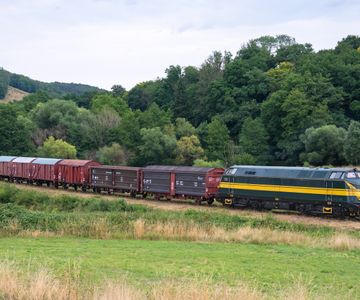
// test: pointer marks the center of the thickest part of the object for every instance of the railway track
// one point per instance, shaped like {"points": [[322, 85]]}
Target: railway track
{"points": [[178, 205]]}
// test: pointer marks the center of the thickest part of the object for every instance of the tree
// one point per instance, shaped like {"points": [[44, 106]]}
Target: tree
{"points": [[188, 150], [323, 145], [156, 147], [154, 116], [55, 113], [208, 164], [216, 139], [106, 101], [254, 139], [112, 155], [118, 90], [4, 83], [96, 129], [57, 149], [14, 133], [184, 128], [245, 159], [352, 145]]}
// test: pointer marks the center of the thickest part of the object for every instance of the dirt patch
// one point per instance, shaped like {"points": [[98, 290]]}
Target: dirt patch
{"points": [[14, 94], [183, 206]]}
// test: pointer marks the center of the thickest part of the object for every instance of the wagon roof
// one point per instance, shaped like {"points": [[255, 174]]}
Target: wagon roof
{"points": [[76, 162], [24, 159], [179, 169], [7, 158], [116, 168], [46, 161]]}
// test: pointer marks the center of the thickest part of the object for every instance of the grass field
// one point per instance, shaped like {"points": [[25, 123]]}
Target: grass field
{"points": [[148, 253]]}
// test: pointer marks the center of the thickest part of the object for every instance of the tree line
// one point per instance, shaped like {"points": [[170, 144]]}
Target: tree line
{"points": [[275, 102]]}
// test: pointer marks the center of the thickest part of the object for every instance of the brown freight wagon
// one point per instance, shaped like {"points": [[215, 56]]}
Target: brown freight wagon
{"points": [[45, 170], [75, 173], [21, 169], [6, 166], [196, 183], [116, 179]]}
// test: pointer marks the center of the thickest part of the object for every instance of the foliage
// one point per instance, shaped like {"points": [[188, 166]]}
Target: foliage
{"points": [[324, 145], [188, 150], [216, 139], [254, 107], [57, 149], [352, 145], [4, 83], [245, 159], [184, 128], [15, 136], [112, 155], [253, 140], [156, 147], [105, 101], [208, 164], [55, 89]]}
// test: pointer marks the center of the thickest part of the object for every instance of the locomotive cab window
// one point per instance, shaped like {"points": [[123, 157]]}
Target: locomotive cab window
{"points": [[336, 175], [231, 171]]}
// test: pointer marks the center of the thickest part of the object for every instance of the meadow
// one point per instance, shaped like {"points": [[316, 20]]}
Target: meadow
{"points": [[61, 247]]}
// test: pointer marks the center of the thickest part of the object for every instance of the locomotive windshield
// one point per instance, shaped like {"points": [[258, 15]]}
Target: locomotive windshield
{"points": [[353, 178]]}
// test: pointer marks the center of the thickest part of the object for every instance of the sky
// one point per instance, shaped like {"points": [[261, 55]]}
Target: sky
{"points": [[107, 42]]}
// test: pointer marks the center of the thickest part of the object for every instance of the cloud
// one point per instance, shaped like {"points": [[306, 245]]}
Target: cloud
{"points": [[106, 42]]}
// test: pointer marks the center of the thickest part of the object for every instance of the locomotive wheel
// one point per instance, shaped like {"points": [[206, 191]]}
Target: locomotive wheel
{"points": [[210, 201]]}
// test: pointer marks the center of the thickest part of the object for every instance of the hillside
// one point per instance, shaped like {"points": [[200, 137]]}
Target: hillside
{"points": [[28, 85], [14, 94]]}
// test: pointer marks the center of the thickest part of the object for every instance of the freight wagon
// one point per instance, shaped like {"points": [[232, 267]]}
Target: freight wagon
{"points": [[182, 182], [331, 191], [75, 173], [21, 169], [116, 179], [6, 167], [45, 170]]}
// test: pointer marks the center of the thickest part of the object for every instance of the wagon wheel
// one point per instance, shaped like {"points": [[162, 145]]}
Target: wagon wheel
{"points": [[210, 201]]}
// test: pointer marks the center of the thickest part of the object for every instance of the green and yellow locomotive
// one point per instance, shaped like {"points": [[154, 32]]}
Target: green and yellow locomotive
{"points": [[331, 191]]}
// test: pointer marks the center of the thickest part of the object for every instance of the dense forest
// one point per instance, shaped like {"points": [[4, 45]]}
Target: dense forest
{"points": [[26, 84], [274, 102]]}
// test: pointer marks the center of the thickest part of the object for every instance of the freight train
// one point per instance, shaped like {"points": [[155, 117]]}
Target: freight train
{"points": [[200, 184], [325, 191]]}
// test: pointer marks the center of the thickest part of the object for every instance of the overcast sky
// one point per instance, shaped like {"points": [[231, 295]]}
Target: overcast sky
{"points": [[107, 42]]}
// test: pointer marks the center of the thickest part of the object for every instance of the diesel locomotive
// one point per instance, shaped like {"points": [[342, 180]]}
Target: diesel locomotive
{"points": [[329, 191]]}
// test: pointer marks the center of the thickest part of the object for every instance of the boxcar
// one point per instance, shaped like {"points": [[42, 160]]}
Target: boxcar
{"points": [[197, 183], [6, 166], [45, 170], [116, 179], [22, 169], [75, 173]]}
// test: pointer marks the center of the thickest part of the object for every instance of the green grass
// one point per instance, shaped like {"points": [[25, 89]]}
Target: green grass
{"points": [[40, 211], [268, 267]]}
